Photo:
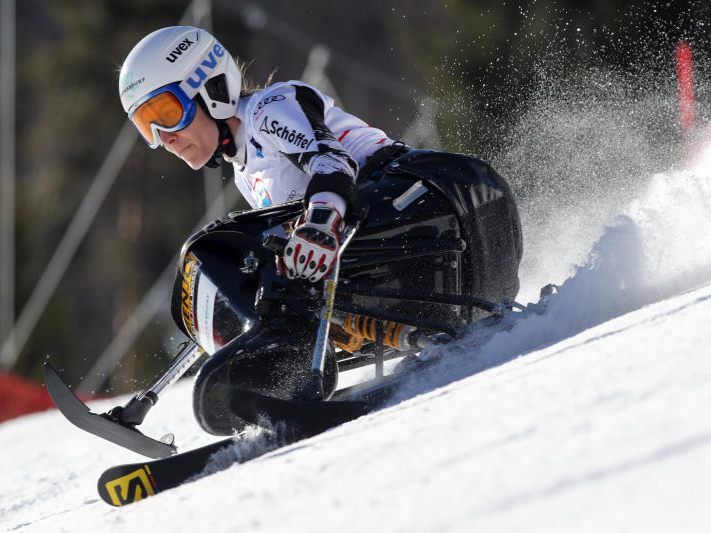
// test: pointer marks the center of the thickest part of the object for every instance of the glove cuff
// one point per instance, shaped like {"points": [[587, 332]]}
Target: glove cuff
{"points": [[324, 216], [328, 199]]}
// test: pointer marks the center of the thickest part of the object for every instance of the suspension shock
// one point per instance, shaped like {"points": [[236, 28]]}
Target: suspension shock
{"points": [[401, 337]]}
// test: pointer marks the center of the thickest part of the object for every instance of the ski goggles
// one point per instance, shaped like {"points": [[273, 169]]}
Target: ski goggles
{"points": [[167, 108]]}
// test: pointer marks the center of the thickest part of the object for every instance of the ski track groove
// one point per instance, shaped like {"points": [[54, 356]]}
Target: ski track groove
{"points": [[522, 499]]}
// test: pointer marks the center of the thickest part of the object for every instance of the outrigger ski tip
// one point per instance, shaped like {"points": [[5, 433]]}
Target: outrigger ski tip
{"points": [[106, 425]]}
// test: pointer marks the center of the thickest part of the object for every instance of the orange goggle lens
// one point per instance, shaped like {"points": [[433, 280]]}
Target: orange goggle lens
{"points": [[164, 110]]}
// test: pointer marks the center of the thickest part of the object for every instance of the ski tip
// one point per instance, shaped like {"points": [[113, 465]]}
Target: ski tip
{"points": [[49, 371], [58, 390], [129, 483], [128, 487]]}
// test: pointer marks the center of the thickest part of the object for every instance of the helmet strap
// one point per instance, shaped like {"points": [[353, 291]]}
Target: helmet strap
{"points": [[226, 141], [225, 145]]}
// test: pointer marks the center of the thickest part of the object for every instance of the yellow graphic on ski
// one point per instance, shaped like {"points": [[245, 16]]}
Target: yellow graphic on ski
{"points": [[131, 487]]}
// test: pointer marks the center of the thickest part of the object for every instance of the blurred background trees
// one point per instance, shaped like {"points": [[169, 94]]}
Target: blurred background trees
{"points": [[455, 74]]}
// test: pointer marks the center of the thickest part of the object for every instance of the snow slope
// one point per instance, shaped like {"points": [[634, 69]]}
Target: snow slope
{"points": [[592, 417]]}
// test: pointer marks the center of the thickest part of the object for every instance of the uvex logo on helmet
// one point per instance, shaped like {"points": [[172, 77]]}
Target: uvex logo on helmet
{"points": [[178, 50], [199, 75]]}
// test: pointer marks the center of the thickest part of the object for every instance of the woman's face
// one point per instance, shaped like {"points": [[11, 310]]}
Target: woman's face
{"points": [[194, 144]]}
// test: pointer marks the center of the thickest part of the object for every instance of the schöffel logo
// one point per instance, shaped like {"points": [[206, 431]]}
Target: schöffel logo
{"points": [[298, 139], [178, 50], [199, 75]]}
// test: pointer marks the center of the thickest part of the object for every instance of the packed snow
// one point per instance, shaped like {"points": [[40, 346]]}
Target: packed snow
{"points": [[591, 417]]}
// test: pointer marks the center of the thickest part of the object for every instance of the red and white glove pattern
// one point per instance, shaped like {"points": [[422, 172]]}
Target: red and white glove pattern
{"points": [[313, 246]]}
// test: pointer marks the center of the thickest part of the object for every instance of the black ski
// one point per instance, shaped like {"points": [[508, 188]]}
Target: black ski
{"points": [[309, 418], [303, 418], [125, 484], [103, 425]]}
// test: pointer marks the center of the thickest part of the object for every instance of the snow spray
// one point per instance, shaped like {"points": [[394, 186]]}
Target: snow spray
{"points": [[602, 216], [687, 94], [657, 246], [583, 151]]}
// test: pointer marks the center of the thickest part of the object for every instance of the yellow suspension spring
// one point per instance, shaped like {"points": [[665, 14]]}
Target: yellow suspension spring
{"points": [[365, 328]]}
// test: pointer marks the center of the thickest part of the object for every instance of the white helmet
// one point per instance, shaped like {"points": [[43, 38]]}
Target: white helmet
{"points": [[176, 64]]}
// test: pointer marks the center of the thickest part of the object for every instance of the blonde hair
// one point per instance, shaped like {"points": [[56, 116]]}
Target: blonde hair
{"points": [[249, 86]]}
